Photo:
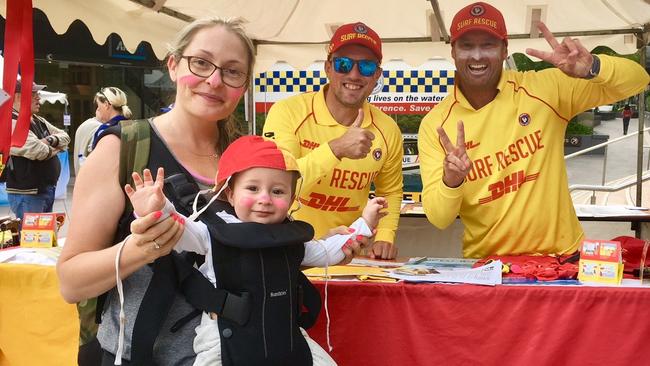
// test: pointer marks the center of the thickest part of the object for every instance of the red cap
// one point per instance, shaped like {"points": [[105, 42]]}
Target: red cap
{"points": [[355, 33], [478, 16], [253, 152]]}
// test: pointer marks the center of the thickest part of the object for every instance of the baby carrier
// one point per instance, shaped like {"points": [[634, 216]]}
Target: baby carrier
{"points": [[260, 290]]}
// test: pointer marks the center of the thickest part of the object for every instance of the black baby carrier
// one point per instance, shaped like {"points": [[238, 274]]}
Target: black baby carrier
{"points": [[261, 298]]}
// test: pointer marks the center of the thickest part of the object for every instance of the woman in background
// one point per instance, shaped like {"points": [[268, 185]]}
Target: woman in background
{"points": [[111, 109]]}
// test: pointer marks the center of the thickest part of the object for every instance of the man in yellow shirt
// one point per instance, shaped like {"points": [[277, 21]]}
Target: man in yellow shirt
{"points": [[505, 175], [342, 143]]}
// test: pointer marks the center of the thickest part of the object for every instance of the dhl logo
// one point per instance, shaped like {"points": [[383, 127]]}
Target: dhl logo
{"points": [[510, 184], [328, 203], [311, 145]]}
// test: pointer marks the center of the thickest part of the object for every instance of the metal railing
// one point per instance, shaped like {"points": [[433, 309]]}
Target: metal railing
{"points": [[603, 187]]}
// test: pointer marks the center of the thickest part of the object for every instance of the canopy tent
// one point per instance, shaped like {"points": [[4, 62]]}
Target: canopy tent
{"points": [[413, 31], [53, 97], [296, 31]]}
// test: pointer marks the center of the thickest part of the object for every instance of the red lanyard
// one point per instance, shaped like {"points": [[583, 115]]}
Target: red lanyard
{"points": [[19, 49]]}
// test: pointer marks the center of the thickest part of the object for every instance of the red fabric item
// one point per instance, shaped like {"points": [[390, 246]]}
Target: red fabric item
{"points": [[632, 251], [478, 16], [355, 33], [542, 268], [19, 48], [441, 324], [253, 152]]}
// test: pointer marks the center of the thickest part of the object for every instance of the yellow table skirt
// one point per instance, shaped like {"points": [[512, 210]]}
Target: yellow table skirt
{"points": [[37, 327]]}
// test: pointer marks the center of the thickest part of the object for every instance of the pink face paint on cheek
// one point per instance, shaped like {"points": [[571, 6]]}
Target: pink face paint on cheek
{"points": [[235, 93], [190, 80], [247, 202], [280, 203]]}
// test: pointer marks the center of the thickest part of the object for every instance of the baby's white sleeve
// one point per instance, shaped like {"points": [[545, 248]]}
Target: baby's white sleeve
{"points": [[195, 238], [327, 252]]}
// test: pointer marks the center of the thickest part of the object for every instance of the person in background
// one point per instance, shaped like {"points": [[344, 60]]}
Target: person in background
{"points": [[83, 138], [342, 143], [505, 174], [111, 108], [33, 169], [627, 115]]}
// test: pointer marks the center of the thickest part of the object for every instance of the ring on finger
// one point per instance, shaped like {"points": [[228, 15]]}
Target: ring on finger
{"points": [[156, 245]]}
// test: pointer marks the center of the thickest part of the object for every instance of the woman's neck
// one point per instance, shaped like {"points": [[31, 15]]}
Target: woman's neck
{"points": [[111, 116], [189, 131]]}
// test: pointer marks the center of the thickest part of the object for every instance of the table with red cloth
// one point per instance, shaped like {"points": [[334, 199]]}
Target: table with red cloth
{"points": [[446, 324]]}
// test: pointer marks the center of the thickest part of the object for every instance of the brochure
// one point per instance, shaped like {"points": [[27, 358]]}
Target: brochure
{"points": [[489, 274]]}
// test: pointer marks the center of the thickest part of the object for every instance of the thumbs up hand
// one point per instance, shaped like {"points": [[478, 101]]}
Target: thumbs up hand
{"points": [[355, 142]]}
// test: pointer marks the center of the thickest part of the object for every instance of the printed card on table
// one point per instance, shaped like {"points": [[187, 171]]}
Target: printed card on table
{"points": [[39, 230], [600, 262]]}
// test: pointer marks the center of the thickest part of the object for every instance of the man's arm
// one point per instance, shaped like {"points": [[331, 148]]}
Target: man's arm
{"points": [[389, 184], [62, 138], [441, 203], [34, 148], [281, 125], [602, 79]]}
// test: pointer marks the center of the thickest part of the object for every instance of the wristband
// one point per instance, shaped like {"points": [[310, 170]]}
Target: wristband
{"points": [[595, 68]]}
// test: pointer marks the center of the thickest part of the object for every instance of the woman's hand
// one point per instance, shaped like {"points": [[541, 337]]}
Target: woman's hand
{"points": [[156, 239], [352, 247]]}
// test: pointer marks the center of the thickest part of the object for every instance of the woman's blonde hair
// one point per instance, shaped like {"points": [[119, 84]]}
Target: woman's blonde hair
{"points": [[116, 98], [228, 130]]}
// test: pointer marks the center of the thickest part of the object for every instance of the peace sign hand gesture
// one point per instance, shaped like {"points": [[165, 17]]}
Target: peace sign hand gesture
{"points": [[570, 56], [456, 164]]}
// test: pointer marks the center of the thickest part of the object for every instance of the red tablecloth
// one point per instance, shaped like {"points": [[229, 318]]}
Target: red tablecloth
{"points": [[441, 324]]}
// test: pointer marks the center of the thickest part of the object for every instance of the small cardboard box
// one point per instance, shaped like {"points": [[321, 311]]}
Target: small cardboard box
{"points": [[39, 230], [600, 262]]}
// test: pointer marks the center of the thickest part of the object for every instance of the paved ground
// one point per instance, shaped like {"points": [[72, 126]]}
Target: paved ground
{"points": [[621, 166], [586, 169]]}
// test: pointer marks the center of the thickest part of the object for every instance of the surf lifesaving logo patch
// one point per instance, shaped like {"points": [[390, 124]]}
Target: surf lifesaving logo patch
{"points": [[477, 10], [524, 119], [376, 153], [360, 28]]}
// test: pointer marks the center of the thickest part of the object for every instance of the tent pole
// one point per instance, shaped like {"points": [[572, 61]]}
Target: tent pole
{"points": [[250, 98], [439, 22], [639, 160]]}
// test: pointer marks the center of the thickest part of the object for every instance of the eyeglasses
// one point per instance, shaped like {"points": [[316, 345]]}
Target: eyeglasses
{"points": [[204, 68], [344, 65]]}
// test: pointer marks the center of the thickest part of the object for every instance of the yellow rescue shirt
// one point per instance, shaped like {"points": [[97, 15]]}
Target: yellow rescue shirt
{"points": [[334, 192], [515, 199]]}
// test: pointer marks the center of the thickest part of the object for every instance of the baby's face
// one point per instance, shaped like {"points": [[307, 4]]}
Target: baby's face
{"points": [[262, 195]]}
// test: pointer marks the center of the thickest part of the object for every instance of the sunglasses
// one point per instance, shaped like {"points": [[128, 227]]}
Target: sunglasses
{"points": [[344, 65]]}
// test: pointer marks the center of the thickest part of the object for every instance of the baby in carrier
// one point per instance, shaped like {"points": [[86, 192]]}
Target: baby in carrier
{"points": [[253, 247]]}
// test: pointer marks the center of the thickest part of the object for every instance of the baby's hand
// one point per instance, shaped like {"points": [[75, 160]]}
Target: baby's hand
{"points": [[147, 196], [372, 212]]}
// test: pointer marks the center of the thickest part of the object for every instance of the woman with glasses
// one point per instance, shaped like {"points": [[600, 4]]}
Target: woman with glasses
{"points": [[210, 62], [112, 108], [342, 141]]}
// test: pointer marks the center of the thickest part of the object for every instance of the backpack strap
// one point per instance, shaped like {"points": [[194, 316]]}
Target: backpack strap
{"points": [[135, 141]]}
